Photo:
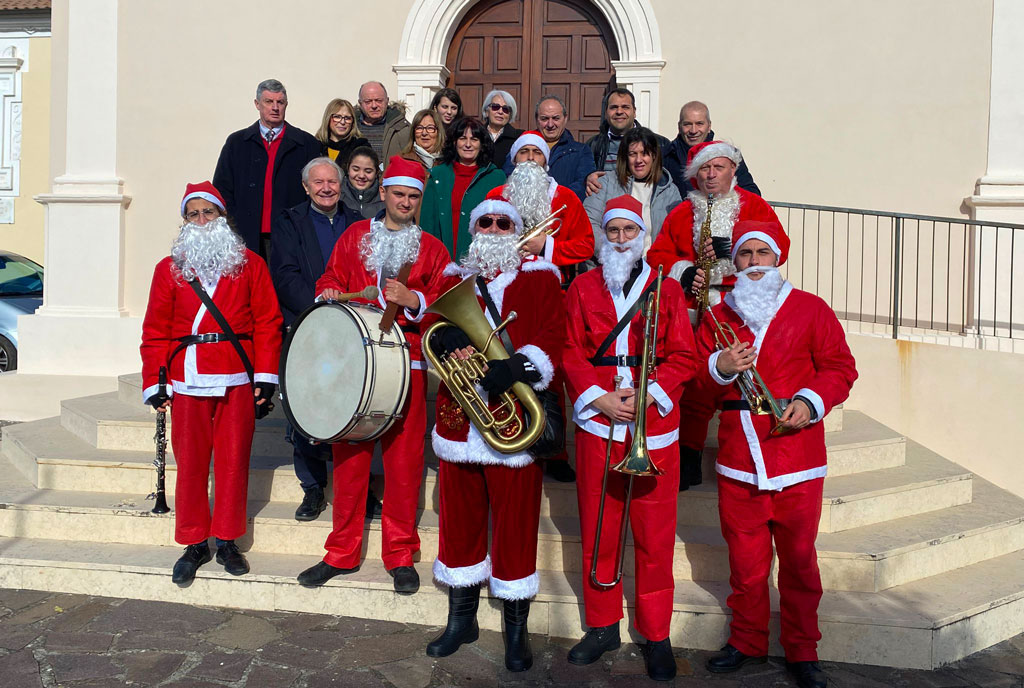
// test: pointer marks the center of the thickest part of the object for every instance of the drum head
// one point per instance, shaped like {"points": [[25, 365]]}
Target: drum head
{"points": [[325, 371]]}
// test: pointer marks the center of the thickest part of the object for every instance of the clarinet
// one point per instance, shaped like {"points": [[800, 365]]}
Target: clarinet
{"points": [[160, 507]]}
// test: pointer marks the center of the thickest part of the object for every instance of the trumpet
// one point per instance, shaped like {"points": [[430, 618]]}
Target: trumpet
{"points": [[549, 226], [750, 382]]}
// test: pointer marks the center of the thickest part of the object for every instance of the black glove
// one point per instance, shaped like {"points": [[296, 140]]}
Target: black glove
{"points": [[503, 373], [158, 400], [264, 390], [686, 279], [449, 339], [722, 246]]}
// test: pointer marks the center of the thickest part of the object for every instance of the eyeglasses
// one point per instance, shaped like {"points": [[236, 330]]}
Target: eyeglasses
{"points": [[503, 108], [341, 118], [208, 213], [427, 130], [629, 231], [504, 224]]}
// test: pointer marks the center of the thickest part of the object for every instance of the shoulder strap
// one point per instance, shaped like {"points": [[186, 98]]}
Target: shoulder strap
{"points": [[222, 321], [626, 319], [506, 341], [391, 312]]}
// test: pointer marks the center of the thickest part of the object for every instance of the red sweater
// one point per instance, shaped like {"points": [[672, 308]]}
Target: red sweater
{"points": [[463, 176], [268, 181]]}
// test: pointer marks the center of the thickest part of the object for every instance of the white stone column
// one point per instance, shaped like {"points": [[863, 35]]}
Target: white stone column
{"points": [[417, 84], [83, 327], [644, 80]]}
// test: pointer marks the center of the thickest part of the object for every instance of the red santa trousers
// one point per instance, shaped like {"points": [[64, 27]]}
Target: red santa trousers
{"points": [[750, 519], [652, 520], [223, 425], [402, 449], [512, 497], [694, 415]]}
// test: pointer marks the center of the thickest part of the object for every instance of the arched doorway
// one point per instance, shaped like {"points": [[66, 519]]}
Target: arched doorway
{"points": [[531, 48]]}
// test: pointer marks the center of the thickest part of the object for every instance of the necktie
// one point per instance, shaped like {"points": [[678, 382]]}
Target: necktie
{"points": [[270, 136]]}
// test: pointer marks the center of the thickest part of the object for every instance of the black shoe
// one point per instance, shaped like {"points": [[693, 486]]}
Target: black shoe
{"points": [[407, 581], [462, 627], [185, 568], [690, 468], [313, 504], [374, 507], [595, 643], [231, 559], [317, 575], [807, 674], [518, 655], [560, 471], [661, 663], [731, 659]]}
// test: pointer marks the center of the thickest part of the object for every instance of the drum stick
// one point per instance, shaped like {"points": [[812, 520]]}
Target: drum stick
{"points": [[369, 293]]}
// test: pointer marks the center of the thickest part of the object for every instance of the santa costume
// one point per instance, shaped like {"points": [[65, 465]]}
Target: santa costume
{"points": [[596, 302], [770, 487], [212, 397], [367, 254], [479, 484]]}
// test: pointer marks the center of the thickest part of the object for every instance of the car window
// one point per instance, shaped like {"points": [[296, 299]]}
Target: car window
{"points": [[20, 277]]}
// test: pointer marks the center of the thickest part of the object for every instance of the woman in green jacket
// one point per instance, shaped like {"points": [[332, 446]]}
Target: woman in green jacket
{"points": [[458, 184]]}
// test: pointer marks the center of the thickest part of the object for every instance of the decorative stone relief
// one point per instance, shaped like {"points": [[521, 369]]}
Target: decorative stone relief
{"points": [[11, 64]]}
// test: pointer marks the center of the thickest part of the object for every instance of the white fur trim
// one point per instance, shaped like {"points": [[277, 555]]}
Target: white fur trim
{"points": [[623, 214], [815, 399], [495, 206], [530, 139], [462, 576], [678, 268], [421, 312], [455, 270], [203, 195], [713, 370], [720, 149], [723, 217], [779, 482], [150, 391], [265, 377], [763, 236], [582, 408], [540, 264], [411, 182], [521, 589], [542, 362], [475, 450], [661, 399]]}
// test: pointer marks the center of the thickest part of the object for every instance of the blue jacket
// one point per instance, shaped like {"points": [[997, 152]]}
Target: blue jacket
{"points": [[296, 261], [570, 164]]}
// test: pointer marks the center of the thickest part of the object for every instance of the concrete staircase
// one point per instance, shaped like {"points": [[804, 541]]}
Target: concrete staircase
{"points": [[923, 563]]}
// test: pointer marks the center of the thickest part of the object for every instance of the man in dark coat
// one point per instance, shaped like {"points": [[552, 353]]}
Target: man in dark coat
{"points": [[259, 169], [302, 241], [694, 128], [618, 115]]}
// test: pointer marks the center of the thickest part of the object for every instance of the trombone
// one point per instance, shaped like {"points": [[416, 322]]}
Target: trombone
{"points": [[637, 460], [549, 226]]}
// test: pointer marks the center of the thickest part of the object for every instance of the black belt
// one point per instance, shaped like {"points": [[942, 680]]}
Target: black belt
{"points": [[209, 338], [620, 361], [742, 405], [409, 329]]}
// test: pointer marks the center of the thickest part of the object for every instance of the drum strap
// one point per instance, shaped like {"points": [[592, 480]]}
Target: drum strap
{"points": [[222, 321], [506, 341], [391, 312], [599, 355]]}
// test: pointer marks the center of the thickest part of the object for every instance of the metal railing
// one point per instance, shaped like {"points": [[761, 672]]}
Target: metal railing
{"points": [[908, 271]]}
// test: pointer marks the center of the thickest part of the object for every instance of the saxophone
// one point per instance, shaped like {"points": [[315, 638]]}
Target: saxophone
{"points": [[704, 263]]}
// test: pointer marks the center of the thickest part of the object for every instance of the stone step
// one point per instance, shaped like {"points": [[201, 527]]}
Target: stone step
{"points": [[921, 625]]}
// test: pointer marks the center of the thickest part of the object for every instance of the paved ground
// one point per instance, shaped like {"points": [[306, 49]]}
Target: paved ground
{"points": [[85, 642]]}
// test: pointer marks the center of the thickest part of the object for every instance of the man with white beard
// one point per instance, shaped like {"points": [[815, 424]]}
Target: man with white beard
{"points": [[770, 481], [372, 253], [213, 409], [475, 480], [605, 312]]}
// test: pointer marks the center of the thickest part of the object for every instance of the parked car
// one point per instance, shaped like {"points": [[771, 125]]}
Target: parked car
{"points": [[21, 293]]}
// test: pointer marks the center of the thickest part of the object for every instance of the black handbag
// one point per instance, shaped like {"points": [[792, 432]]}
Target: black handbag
{"points": [[551, 442]]}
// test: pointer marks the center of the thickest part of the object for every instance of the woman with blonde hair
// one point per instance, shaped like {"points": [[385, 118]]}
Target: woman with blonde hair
{"points": [[427, 139], [339, 131]]}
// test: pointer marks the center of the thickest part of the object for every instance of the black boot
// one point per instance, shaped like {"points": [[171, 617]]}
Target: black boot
{"points": [[374, 507], [462, 627], [231, 559], [320, 573], [661, 663], [731, 659], [313, 504], [595, 643], [191, 559], [807, 674], [518, 655], [689, 468]]}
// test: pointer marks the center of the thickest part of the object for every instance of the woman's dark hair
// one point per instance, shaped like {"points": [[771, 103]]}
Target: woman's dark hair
{"points": [[651, 145], [452, 95], [367, 152], [478, 131]]}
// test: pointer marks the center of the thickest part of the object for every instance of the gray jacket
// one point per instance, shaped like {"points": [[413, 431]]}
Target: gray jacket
{"points": [[663, 200]]}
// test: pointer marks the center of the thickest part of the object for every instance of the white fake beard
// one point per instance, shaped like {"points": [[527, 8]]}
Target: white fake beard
{"points": [[757, 300], [208, 252], [492, 254], [616, 265], [385, 251], [527, 190]]}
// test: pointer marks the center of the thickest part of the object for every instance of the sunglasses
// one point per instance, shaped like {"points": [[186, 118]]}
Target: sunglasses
{"points": [[504, 108], [504, 224]]}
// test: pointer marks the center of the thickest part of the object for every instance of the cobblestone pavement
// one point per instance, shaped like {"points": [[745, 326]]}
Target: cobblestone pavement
{"points": [[80, 641]]}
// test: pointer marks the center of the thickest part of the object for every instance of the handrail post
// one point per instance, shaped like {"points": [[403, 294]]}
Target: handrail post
{"points": [[896, 277]]}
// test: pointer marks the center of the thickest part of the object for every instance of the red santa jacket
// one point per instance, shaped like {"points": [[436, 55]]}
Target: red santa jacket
{"points": [[675, 248], [574, 242], [347, 272], [534, 292], [592, 313], [249, 304], [802, 351]]}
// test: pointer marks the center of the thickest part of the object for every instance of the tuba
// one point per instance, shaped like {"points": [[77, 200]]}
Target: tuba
{"points": [[502, 428]]}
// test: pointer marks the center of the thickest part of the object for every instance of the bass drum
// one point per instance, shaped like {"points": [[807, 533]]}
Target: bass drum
{"points": [[341, 379]]}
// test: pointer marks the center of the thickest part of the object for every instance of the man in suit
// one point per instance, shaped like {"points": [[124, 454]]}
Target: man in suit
{"points": [[302, 240], [258, 171]]}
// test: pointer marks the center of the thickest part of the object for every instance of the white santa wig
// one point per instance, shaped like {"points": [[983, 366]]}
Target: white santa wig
{"points": [[495, 206], [716, 149]]}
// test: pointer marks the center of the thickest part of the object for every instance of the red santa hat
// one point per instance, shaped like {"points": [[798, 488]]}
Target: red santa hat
{"points": [[707, 151], [625, 207], [402, 172], [495, 206], [204, 190], [531, 138], [770, 232]]}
